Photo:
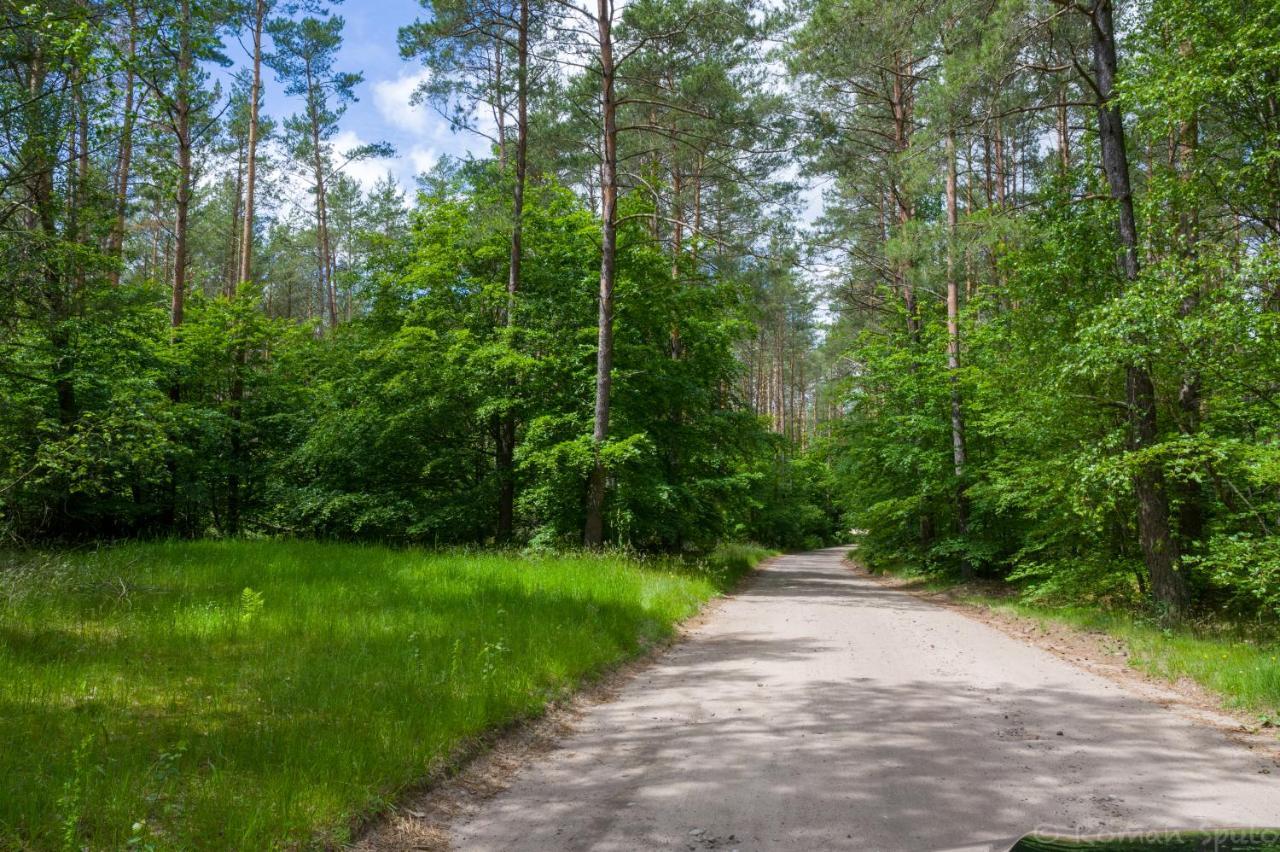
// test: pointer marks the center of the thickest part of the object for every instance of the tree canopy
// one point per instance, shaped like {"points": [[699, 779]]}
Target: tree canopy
{"points": [[1029, 333]]}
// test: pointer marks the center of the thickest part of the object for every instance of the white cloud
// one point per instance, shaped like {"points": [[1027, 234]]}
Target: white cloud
{"points": [[365, 172], [392, 99], [424, 159], [404, 167]]}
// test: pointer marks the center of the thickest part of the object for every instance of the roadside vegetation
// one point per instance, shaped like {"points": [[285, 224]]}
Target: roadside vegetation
{"points": [[253, 695], [1058, 334]]}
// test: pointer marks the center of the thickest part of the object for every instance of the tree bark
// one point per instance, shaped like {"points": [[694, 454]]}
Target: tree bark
{"points": [[902, 128], [506, 442], [593, 533], [182, 130], [115, 241], [1191, 512], [41, 166], [959, 455], [1064, 131], [328, 288], [1001, 177], [1159, 547], [181, 115], [231, 271], [244, 272], [251, 157]]}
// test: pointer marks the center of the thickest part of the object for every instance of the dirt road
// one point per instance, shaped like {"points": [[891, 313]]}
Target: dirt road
{"points": [[818, 709]]}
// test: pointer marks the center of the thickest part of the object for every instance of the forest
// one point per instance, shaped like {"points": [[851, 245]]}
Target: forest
{"points": [[1029, 331], [210, 328], [990, 288]]}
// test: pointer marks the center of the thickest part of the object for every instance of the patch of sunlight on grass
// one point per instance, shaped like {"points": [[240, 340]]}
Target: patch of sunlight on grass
{"points": [[238, 694]]}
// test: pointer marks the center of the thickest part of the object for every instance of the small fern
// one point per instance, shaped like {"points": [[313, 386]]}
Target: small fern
{"points": [[251, 603]]}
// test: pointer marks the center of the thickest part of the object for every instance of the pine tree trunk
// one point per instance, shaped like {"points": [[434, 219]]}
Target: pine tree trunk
{"points": [[593, 534], [328, 288], [182, 131], [115, 241], [902, 127], [244, 273], [1001, 177], [329, 291], [1191, 512], [1064, 131], [251, 159], [506, 438], [959, 456], [231, 271], [182, 128]]}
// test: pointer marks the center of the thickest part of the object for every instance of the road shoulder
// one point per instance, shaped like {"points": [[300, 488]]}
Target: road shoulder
{"points": [[423, 817], [1102, 655]]}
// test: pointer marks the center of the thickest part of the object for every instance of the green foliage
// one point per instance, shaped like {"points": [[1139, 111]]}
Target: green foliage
{"points": [[375, 380], [1245, 569], [793, 501], [403, 404], [1050, 333], [269, 694], [384, 430]]}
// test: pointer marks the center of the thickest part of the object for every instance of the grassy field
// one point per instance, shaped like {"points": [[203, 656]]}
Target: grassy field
{"points": [[270, 694]]}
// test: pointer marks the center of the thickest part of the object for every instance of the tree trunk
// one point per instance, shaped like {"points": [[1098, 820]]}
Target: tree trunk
{"points": [[231, 271], [522, 151], [902, 127], [244, 272], [677, 214], [115, 241], [43, 160], [988, 180], [327, 285], [695, 237], [182, 129], [251, 158], [1064, 131], [1191, 512], [958, 451], [1159, 547], [1001, 177], [499, 107], [506, 442], [593, 533]]}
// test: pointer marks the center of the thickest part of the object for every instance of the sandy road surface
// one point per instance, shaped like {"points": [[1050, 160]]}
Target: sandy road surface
{"points": [[818, 710]]}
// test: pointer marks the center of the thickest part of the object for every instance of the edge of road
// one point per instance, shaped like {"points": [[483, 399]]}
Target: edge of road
{"points": [[422, 816], [1099, 654]]}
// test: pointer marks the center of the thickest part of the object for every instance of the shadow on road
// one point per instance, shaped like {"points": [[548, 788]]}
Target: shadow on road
{"points": [[789, 735]]}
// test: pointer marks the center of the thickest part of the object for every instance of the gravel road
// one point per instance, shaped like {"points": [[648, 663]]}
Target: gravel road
{"points": [[818, 709]]}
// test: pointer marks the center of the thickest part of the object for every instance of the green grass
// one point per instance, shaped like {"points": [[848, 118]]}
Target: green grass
{"points": [[271, 694]]}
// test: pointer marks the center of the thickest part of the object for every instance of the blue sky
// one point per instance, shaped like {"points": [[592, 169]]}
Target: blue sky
{"points": [[383, 112]]}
